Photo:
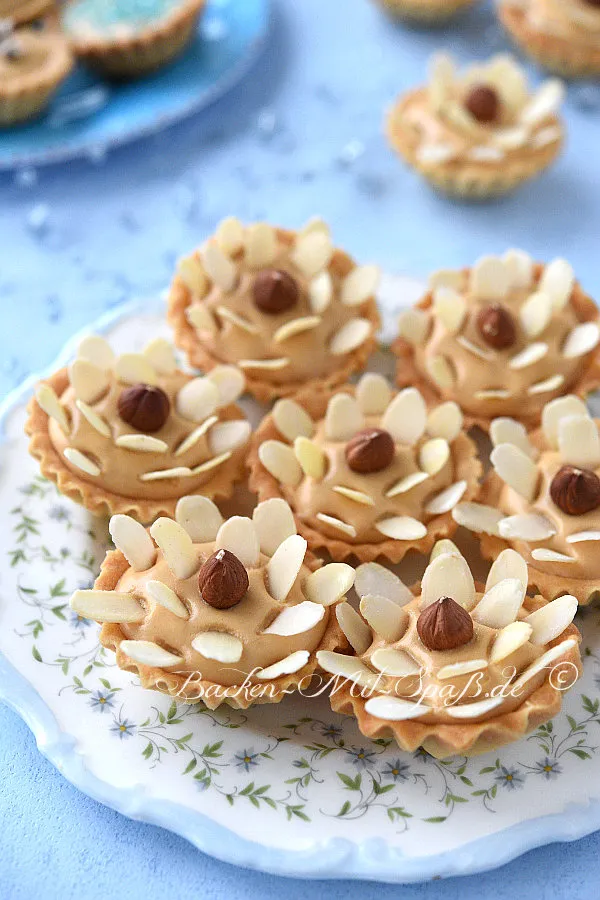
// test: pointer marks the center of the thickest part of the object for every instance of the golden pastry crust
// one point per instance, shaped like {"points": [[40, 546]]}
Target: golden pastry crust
{"points": [[259, 385], [25, 94], [21, 11], [428, 12]]}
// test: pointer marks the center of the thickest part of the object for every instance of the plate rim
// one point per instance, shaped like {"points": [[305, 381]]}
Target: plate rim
{"points": [[334, 858]]}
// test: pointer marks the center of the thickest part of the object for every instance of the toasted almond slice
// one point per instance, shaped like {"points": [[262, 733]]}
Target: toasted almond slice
{"points": [[350, 336], [441, 80], [516, 469], [164, 596], [450, 278], [81, 461], [88, 381], [545, 102], [354, 627], [347, 667], [406, 416], [464, 667], [434, 455], [541, 554], [133, 541], [337, 524], [96, 421], [269, 365], [98, 351], [545, 387], [200, 517], [343, 418], [543, 662], [557, 282], [320, 293], [560, 408], [190, 270], [394, 709], [579, 442], [230, 235], [312, 253], [161, 356], [435, 154], [354, 495], [284, 566], [274, 522], [229, 381], [262, 245], [315, 223], [444, 546], [477, 517], [49, 402], [134, 368], [386, 618], [292, 420], [450, 307], [581, 536], [508, 431], [280, 461], [360, 285], [407, 483], [474, 710], [373, 394], [197, 399], [218, 645], [413, 326], [287, 666], [492, 394], [329, 583], [440, 371], [141, 443], [147, 653], [294, 327], [224, 312], [445, 421], [535, 314], [500, 605], [509, 564], [372, 578], [550, 621], [402, 528], [475, 349], [107, 606], [510, 639], [192, 439], [510, 138], [238, 535], [219, 268], [177, 548], [527, 527], [582, 340], [201, 318], [520, 268], [296, 619], [212, 463], [395, 663], [165, 474], [448, 575], [229, 436], [446, 500], [490, 279], [529, 356], [485, 153]]}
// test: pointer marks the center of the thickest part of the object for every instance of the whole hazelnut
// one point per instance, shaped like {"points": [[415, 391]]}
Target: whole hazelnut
{"points": [[496, 326], [483, 103], [445, 625], [223, 580], [370, 451], [575, 491], [274, 291], [144, 407]]}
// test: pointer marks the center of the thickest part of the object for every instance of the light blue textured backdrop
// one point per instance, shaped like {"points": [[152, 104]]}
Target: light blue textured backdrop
{"points": [[301, 135]]}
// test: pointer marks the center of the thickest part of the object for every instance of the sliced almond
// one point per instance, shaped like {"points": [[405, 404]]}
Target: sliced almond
{"points": [[406, 416], [490, 279], [546, 660], [230, 383], [510, 639], [434, 455], [347, 667], [501, 604], [287, 666], [134, 368], [49, 402], [401, 528], [464, 667], [354, 627], [583, 339], [527, 527], [81, 461], [315, 223], [337, 524], [354, 495], [200, 517], [197, 399], [133, 541], [98, 351], [218, 645], [516, 469], [450, 278], [429, 154], [350, 336], [579, 442], [445, 421], [224, 312], [360, 285], [441, 372], [269, 365], [161, 356], [147, 653], [508, 431], [373, 394], [375, 579], [413, 326], [444, 546], [177, 547], [96, 421], [141, 443], [166, 474], [448, 575], [510, 138], [238, 535], [262, 245], [343, 418], [477, 517], [219, 268], [312, 253], [394, 709], [542, 554], [229, 436], [296, 326], [441, 80], [284, 566], [89, 381], [475, 349], [492, 394], [474, 710], [230, 235], [545, 102], [450, 307], [164, 596], [274, 522], [485, 153], [520, 268], [509, 564], [201, 318], [292, 420], [550, 621], [193, 275], [329, 583], [581, 536], [320, 293], [192, 439], [212, 463], [548, 385], [529, 356], [557, 282], [535, 314], [107, 606], [296, 619], [558, 409], [446, 500], [386, 618], [395, 663], [407, 484], [280, 461]]}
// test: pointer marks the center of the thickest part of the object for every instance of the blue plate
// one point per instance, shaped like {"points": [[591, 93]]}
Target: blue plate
{"points": [[90, 115]]}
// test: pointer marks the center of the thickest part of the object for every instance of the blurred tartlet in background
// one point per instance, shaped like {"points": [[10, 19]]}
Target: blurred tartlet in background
{"points": [[425, 12]]}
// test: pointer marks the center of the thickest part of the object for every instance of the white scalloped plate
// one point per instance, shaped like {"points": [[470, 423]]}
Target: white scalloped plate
{"points": [[290, 789]]}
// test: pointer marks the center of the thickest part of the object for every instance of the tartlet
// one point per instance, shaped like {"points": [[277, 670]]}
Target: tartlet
{"points": [[21, 11], [503, 338], [217, 611], [286, 307], [425, 12], [33, 65], [542, 498], [133, 433], [129, 38], [561, 35], [367, 473], [453, 667], [480, 133]]}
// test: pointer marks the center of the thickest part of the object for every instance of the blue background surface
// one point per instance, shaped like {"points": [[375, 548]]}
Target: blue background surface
{"points": [[302, 135]]}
